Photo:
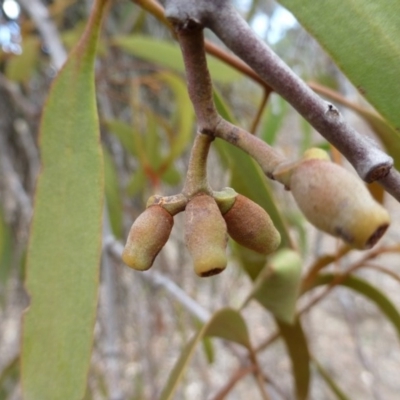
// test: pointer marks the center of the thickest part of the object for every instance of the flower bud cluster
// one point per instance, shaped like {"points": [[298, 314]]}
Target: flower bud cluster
{"points": [[209, 218]]}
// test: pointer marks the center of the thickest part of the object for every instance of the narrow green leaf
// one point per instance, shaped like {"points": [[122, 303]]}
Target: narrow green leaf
{"points": [[361, 36], [136, 183], [208, 349], [336, 390], [227, 324], [277, 286], [6, 245], [273, 118], [167, 54], [368, 290], [124, 133], [151, 141], [65, 238], [171, 176], [184, 115], [296, 344], [306, 130], [113, 194]]}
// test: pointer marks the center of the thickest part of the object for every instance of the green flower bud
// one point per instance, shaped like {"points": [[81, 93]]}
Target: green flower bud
{"points": [[147, 237], [205, 235], [337, 202], [251, 226]]}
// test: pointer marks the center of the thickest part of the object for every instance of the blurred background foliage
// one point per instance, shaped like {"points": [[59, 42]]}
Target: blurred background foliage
{"points": [[344, 346]]}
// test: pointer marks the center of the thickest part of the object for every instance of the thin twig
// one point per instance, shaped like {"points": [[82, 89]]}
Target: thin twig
{"points": [[235, 378], [260, 111], [159, 280], [258, 375]]}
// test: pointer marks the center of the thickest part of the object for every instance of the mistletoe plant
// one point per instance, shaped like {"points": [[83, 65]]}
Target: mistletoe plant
{"points": [[330, 197]]}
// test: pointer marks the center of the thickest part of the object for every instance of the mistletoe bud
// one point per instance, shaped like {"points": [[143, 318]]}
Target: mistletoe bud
{"points": [[338, 203], [147, 237], [205, 235], [251, 226]]}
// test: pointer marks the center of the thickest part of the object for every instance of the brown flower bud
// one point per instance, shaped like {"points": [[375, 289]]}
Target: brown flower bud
{"points": [[147, 237], [337, 202], [251, 226], [205, 235]]}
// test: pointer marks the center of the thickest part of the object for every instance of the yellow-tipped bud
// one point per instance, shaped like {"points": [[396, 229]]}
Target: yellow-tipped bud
{"points": [[205, 235], [337, 202], [251, 226], [147, 237]]}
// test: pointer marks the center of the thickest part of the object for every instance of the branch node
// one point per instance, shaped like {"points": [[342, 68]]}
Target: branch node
{"points": [[378, 172], [332, 111]]}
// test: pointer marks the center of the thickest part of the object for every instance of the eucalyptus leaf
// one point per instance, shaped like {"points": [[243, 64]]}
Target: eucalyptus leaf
{"points": [[168, 55], [65, 238], [226, 324], [362, 38]]}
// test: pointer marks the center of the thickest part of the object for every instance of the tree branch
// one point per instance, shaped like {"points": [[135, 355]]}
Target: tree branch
{"points": [[156, 279], [370, 162]]}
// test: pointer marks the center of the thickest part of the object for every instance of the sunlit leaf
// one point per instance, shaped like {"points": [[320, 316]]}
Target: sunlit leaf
{"points": [[296, 344], [226, 324], [361, 36], [168, 55], [65, 238], [277, 287]]}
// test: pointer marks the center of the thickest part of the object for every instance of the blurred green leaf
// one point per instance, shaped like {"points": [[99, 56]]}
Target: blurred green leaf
{"points": [[208, 349], [168, 55], [361, 37], [277, 286], [272, 120], [113, 194], [296, 344], [226, 324], [184, 115], [306, 130], [124, 133], [171, 176], [6, 245], [65, 239], [329, 381], [368, 290], [21, 67], [151, 141], [136, 183]]}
